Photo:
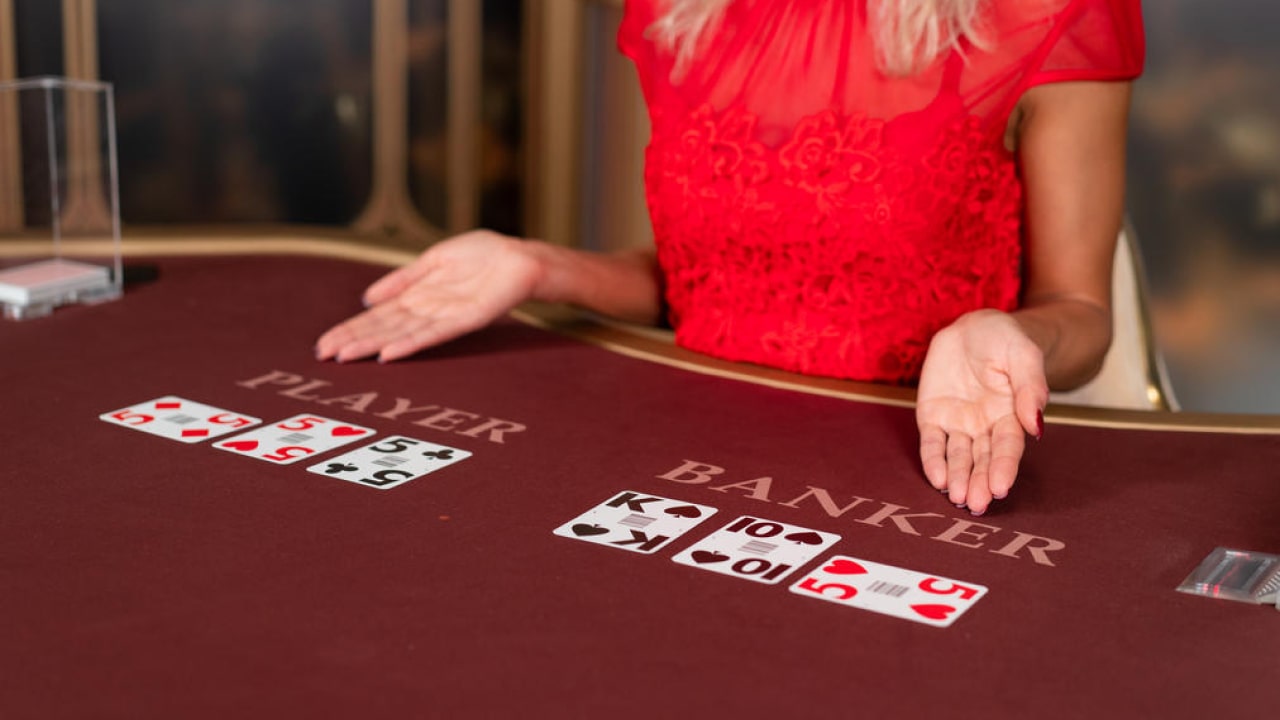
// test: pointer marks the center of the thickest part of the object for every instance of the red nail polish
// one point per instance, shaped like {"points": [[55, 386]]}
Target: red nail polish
{"points": [[1039, 424]]}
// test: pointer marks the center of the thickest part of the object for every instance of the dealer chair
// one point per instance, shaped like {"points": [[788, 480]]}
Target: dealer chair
{"points": [[1133, 374]]}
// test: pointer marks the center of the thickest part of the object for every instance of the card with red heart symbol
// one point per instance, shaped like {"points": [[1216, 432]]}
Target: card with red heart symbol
{"points": [[636, 521], [291, 440], [759, 550], [890, 590]]}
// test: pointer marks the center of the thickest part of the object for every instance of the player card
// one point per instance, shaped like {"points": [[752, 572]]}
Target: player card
{"points": [[390, 462], [636, 522], [762, 551], [294, 439], [890, 590], [175, 418]]}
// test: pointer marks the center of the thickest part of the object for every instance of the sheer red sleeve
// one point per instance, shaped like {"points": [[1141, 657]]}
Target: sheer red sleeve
{"points": [[1096, 40], [816, 213]]}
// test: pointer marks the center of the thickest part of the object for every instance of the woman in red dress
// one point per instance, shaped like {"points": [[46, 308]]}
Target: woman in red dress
{"points": [[906, 191]]}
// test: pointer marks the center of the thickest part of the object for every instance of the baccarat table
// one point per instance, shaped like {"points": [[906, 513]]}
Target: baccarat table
{"points": [[141, 577]]}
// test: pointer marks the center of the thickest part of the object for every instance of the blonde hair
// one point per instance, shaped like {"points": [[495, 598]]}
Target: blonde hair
{"points": [[909, 35]]}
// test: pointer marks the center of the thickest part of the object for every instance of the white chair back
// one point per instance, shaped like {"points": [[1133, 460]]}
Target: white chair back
{"points": [[1133, 374]]}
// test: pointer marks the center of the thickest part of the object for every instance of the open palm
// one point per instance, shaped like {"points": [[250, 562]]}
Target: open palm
{"points": [[455, 287], [981, 392]]}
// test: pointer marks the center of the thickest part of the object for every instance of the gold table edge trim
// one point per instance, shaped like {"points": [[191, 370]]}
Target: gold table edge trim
{"points": [[639, 343]]}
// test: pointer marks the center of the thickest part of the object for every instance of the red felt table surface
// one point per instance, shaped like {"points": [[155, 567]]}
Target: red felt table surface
{"points": [[144, 577]]}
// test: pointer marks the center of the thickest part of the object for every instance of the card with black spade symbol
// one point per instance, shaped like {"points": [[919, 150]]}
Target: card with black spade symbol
{"points": [[890, 590], [759, 550], [390, 461], [636, 521]]}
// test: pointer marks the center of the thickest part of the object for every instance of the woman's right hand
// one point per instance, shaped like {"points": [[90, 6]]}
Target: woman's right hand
{"points": [[456, 286]]}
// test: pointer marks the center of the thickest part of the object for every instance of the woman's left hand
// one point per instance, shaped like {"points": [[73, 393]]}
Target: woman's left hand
{"points": [[982, 391]]}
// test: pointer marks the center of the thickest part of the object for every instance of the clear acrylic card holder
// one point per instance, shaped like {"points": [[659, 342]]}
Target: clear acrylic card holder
{"points": [[1240, 575], [59, 204]]}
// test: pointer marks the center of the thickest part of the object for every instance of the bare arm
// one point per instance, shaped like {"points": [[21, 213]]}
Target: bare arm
{"points": [[623, 285], [466, 282], [1072, 147], [986, 377]]}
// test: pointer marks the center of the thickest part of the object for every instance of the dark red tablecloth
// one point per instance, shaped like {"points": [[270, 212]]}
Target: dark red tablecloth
{"points": [[141, 577]]}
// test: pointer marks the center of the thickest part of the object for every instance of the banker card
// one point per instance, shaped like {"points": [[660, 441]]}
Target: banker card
{"points": [[294, 439], [890, 590], [759, 550], [175, 418], [390, 461], [636, 521]]}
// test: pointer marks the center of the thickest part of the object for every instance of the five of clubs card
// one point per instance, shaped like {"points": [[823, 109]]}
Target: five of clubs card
{"points": [[383, 464], [390, 462]]}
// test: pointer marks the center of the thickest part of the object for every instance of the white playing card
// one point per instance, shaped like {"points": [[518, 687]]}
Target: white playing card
{"points": [[890, 590], [762, 551], [636, 521], [294, 439], [390, 461], [179, 419]]}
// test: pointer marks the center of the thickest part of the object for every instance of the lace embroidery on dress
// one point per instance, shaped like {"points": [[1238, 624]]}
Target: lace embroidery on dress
{"points": [[835, 253], [815, 214]]}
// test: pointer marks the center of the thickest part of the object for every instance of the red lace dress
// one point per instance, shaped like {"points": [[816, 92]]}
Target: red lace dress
{"points": [[811, 213]]}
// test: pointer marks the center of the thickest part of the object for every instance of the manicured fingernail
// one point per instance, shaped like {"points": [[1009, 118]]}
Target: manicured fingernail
{"points": [[959, 506], [1001, 496], [977, 513], [1039, 424]]}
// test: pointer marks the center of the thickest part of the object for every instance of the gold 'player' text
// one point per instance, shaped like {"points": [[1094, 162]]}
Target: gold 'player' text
{"points": [[436, 417]]}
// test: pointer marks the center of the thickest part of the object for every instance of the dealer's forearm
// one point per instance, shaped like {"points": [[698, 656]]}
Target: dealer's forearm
{"points": [[622, 285], [1073, 334]]}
